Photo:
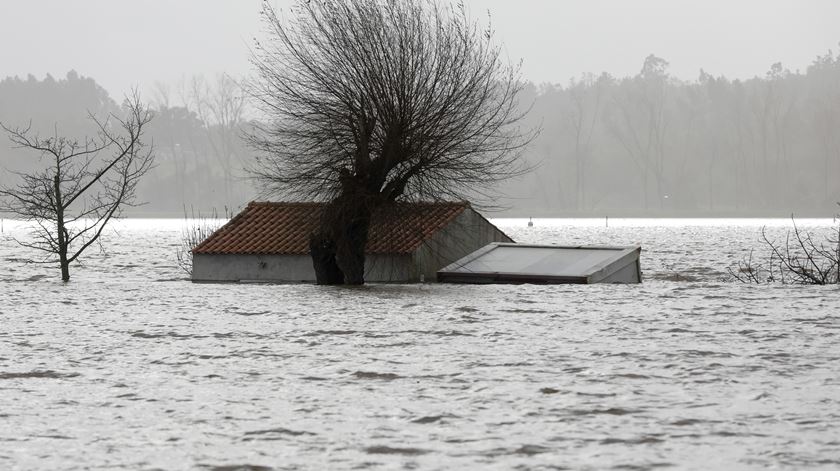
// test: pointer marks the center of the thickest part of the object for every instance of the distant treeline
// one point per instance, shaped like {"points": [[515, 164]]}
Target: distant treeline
{"points": [[200, 156], [654, 145], [643, 145]]}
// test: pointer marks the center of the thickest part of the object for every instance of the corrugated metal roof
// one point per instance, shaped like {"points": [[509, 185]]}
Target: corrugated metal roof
{"points": [[284, 228]]}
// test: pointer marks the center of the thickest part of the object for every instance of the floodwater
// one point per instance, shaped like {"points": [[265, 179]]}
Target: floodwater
{"points": [[130, 366]]}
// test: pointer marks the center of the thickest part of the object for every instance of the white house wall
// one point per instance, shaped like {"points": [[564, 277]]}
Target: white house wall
{"points": [[389, 269], [282, 268], [291, 268], [466, 234]]}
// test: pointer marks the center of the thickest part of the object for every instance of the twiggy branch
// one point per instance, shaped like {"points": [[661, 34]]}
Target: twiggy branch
{"points": [[799, 260]]}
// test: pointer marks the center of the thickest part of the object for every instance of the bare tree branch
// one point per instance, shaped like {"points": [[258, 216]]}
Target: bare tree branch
{"points": [[799, 260]]}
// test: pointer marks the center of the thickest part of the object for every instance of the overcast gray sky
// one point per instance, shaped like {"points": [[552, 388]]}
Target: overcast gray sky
{"points": [[125, 42]]}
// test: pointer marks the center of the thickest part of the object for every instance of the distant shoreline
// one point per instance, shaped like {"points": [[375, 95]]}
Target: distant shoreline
{"points": [[549, 214], [563, 215]]}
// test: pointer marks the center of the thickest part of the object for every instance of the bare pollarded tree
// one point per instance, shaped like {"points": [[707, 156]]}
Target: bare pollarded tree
{"points": [[82, 186], [371, 102]]}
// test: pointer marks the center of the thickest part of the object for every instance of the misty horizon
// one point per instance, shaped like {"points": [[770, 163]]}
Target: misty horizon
{"points": [[760, 147], [745, 90], [556, 42]]}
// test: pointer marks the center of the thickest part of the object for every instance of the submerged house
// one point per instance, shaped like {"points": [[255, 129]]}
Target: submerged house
{"points": [[270, 242], [546, 264]]}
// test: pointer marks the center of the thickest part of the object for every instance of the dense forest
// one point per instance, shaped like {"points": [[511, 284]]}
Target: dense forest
{"points": [[200, 155], [646, 145], [653, 145]]}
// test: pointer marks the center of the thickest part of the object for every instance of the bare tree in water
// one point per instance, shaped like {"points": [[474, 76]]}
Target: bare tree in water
{"points": [[372, 102], [799, 260], [82, 186]]}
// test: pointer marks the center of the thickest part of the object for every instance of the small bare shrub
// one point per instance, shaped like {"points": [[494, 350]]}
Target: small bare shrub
{"points": [[197, 228], [798, 260]]}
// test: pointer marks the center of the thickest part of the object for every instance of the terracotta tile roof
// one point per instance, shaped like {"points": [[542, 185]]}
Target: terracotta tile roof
{"points": [[284, 229]]}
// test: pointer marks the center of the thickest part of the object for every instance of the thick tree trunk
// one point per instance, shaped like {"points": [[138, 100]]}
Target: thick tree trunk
{"points": [[350, 247], [322, 250], [338, 249]]}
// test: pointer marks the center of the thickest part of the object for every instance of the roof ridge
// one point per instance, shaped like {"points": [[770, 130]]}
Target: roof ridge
{"points": [[285, 203], [284, 227], [399, 203]]}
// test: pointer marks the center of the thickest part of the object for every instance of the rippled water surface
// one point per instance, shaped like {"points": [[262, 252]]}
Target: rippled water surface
{"points": [[131, 366]]}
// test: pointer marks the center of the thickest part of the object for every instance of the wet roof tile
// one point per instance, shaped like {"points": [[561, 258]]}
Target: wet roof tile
{"points": [[268, 228]]}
